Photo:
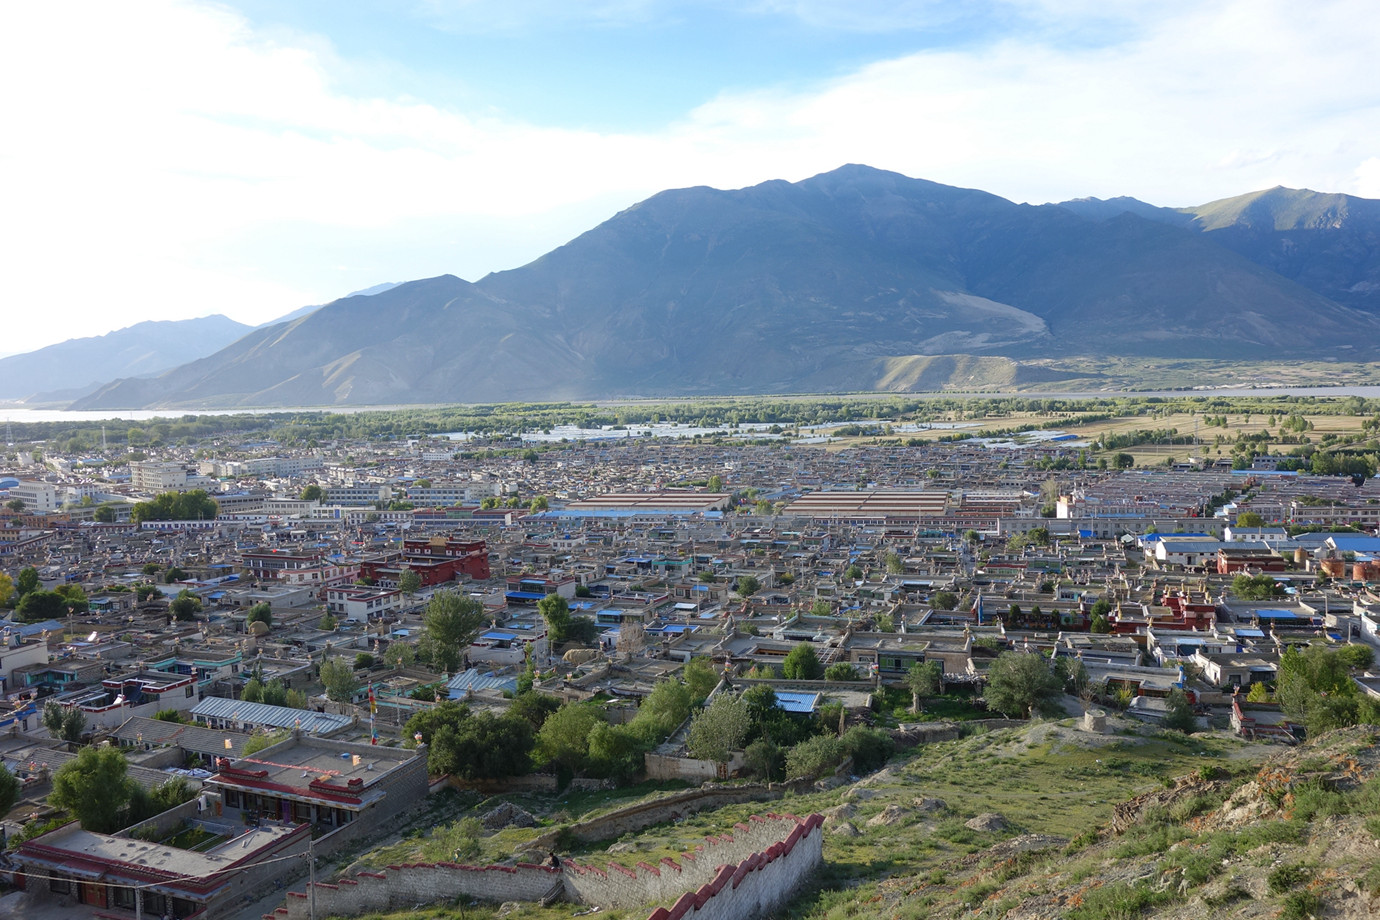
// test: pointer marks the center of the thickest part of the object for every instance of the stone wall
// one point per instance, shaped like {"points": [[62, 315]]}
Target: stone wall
{"points": [[618, 886], [757, 885], [423, 883], [762, 845]]}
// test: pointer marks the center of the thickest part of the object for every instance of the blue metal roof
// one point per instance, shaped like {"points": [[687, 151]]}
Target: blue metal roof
{"points": [[215, 707], [792, 701], [525, 595], [474, 680]]}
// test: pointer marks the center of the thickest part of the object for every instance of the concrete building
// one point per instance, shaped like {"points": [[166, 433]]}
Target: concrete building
{"points": [[324, 783]]}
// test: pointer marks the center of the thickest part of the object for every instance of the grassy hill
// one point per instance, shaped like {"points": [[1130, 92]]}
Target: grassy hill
{"points": [[1038, 822]]}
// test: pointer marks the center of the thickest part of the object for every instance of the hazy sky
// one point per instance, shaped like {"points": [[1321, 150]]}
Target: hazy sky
{"points": [[162, 159]]}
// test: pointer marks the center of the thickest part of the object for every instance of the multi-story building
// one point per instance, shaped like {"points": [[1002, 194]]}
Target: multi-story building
{"points": [[38, 497], [360, 604], [158, 476]]}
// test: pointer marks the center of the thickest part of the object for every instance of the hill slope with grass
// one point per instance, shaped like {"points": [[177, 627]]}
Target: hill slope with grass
{"points": [[1040, 822]]}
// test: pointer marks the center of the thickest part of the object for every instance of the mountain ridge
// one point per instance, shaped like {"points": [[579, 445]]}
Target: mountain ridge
{"points": [[820, 285]]}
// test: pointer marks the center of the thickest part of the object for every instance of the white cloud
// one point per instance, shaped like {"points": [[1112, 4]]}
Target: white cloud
{"points": [[163, 160]]}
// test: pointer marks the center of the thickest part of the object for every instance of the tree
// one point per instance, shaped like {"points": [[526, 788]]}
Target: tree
{"points": [[821, 608], [9, 790], [814, 757], [428, 722], [700, 679], [7, 589], [894, 565], [748, 585], [945, 600], [615, 751], [802, 663], [870, 748], [94, 787], [37, 606], [449, 625], [555, 610], [1315, 688], [327, 622], [1022, 683], [1178, 712], [563, 741], [168, 715], [64, 722], [1249, 519], [173, 574], [398, 655], [313, 493], [195, 505], [187, 605], [253, 691], [15, 504], [364, 661], [105, 514], [339, 679], [924, 678], [275, 694], [765, 760], [540, 503], [719, 729], [854, 572], [841, 670], [27, 582], [1101, 619], [1255, 587], [1123, 461], [535, 708], [482, 746], [716, 483], [409, 583]]}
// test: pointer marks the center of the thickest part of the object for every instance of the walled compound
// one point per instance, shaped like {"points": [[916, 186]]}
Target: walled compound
{"points": [[735, 876]]}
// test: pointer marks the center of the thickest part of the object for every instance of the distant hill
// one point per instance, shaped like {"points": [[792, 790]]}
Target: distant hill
{"points": [[1328, 243], [850, 280], [138, 350]]}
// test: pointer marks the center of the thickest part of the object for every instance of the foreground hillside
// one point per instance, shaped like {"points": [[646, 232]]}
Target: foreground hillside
{"points": [[1037, 823]]}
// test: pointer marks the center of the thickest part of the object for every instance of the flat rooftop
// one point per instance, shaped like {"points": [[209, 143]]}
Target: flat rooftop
{"points": [[102, 848], [684, 502], [870, 504]]}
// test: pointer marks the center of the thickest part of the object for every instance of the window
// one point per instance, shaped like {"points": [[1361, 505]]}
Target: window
{"points": [[60, 884]]}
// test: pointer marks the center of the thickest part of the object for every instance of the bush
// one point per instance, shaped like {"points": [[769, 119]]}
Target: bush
{"points": [[870, 748], [814, 757], [1287, 878]]}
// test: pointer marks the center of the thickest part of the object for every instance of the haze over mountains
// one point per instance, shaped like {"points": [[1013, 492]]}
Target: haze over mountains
{"points": [[856, 279]]}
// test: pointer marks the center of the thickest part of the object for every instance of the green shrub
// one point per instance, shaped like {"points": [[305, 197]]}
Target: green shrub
{"points": [[1117, 901], [1287, 878], [1316, 798], [1301, 905]]}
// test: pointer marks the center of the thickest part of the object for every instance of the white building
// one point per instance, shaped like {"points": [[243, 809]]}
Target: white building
{"points": [[359, 603]]}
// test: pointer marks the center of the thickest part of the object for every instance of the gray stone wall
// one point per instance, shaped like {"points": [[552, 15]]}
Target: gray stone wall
{"points": [[762, 844]]}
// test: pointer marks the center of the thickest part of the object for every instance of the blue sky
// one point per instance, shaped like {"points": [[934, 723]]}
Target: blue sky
{"points": [[174, 158]]}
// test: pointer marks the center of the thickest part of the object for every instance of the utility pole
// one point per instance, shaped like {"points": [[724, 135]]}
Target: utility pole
{"points": [[311, 876]]}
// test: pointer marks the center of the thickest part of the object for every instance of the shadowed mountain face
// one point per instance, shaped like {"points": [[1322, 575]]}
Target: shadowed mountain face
{"points": [[1327, 243], [851, 280]]}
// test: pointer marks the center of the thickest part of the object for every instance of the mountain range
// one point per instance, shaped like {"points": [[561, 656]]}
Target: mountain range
{"points": [[76, 366], [856, 279]]}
